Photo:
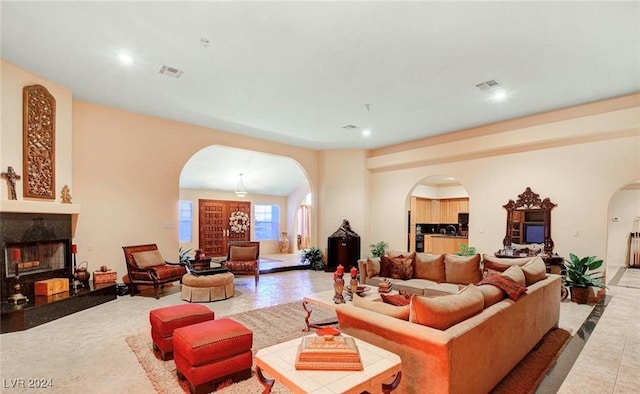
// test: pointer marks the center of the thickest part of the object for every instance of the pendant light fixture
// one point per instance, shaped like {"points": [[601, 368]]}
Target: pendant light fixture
{"points": [[240, 190]]}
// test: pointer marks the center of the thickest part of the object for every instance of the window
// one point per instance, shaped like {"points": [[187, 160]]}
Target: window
{"points": [[185, 220], [267, 221]]}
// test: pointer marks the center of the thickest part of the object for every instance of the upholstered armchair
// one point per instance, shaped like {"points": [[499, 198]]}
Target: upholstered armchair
{"points": [[243, 258], [145, 266]]}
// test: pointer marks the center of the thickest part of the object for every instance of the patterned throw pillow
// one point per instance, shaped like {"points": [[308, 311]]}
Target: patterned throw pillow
{"points": [[395, 299], [401, 268], [509, 286]]}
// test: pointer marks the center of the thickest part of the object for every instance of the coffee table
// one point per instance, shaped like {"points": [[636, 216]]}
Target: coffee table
{"points": [[324, 299], [278, 361]]}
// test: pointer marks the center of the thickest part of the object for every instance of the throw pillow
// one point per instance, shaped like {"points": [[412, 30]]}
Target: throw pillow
{"points": [[512, 289], [515, 273], [496, 265], [462, 269], [446, 311], [395, 299], [243, 253], [491, 294], [385, 266], [430, 267], [402, 268], [148, 258], [373, 267], [399, 312], [534, 271]]}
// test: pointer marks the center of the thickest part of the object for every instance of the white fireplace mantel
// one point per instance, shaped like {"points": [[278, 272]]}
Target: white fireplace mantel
{"points": [[22, 206]]}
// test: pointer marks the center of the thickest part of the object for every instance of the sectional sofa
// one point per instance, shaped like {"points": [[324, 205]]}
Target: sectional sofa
{"points": [[459, 341]]}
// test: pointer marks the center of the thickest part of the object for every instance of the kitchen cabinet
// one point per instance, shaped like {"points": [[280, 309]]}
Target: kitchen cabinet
{"points": [[444, 244]]}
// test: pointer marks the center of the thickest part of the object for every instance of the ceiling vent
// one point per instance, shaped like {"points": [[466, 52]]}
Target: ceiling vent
{"points": [[170, 72], [349, 127], [487, 85]]}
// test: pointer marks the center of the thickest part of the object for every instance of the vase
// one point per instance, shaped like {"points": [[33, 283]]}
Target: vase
{"points": [[284, 243]]}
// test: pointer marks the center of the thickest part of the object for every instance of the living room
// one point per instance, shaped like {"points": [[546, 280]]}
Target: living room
{"points": [[123, 168]]}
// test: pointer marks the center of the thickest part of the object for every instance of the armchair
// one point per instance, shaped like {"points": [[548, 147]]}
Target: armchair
{"points": [[145, 266], [243, 258]]}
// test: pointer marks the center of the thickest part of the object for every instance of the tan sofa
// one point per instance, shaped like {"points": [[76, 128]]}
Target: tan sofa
{"points": [[469, 357]]}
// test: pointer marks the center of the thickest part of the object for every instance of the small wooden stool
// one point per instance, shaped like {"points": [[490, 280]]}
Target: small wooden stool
{"points": [[165, 320], [211, 352]]}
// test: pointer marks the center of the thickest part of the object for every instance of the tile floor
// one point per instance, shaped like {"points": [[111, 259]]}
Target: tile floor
{"points": [[87, 352]]}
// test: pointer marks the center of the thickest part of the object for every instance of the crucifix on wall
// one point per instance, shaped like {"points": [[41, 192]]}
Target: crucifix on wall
{"points": [[11, 178]]}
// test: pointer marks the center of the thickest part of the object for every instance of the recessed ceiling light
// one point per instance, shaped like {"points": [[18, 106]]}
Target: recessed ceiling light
{"points": [[499, 95], [366, 132], [125, 59]]}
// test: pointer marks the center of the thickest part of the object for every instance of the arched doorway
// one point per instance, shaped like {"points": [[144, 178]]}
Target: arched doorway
{"points": [[274, 185], [623, 250], [438, 207]]}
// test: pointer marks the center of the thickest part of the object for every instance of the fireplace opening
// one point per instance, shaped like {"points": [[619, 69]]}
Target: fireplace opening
{"points": [[35, 257]]}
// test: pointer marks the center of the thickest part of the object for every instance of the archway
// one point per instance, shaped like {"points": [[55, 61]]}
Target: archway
{"points": [[269, 181], [438, 207], [623, 220]]}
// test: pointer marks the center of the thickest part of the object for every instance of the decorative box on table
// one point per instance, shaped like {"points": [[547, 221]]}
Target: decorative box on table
{"points": [[328, 353], [104, 276], [51, 286]]}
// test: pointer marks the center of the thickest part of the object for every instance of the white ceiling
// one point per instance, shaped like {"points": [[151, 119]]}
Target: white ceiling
{"points": [[297, 72]]}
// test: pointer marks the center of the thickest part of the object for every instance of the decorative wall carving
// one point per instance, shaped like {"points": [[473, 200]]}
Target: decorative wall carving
{"points": [[39, 136]]}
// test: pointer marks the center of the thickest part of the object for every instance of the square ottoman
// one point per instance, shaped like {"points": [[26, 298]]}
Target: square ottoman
{"points": [[165, 320], [211, 352]]}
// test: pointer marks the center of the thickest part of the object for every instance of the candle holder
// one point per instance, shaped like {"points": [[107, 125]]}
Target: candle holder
{"points": [[338, 287], [17, 297]]}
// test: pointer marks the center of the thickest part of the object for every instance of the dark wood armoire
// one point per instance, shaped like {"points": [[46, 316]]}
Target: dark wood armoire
{"points": [[343, 248]]}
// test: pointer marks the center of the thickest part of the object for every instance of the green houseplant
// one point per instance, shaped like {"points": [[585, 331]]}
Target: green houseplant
{"points": [[183, 255], [466, 250], [314, 256], [378, 248], [581, 277]]}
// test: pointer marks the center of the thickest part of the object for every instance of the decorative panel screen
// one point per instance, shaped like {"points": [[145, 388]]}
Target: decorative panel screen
{"points": [[39, 136]]}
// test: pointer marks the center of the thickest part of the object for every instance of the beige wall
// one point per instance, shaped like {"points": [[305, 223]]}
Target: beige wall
{"points": [[14, 80], [625, 207]]}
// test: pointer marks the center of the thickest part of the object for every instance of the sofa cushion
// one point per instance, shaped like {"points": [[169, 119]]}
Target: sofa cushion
{"points": [[396, 299], [491, 294], [148, 258], [441, 289], [446, 311], [413, 286], [429, 266], [515, 273], [495, 265], [534, 271], [400, 312], [512, 289], [373, 268], [462, 269]]}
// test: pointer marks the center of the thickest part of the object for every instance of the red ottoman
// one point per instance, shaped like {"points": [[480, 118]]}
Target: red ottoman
{"points": [[211, 352], [165, 320]]}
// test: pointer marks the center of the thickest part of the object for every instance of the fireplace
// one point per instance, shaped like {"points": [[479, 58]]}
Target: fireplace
{"points": [[43, 243]]}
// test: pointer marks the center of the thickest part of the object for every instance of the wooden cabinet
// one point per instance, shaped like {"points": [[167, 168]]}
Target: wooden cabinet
{"points": [[435, 212], [425, 210], [449, 245], [450, 208], [428, 243]]}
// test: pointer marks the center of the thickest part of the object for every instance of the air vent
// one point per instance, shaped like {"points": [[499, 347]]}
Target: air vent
{"points": [[170, 72], [487, 85], [349, 127]]}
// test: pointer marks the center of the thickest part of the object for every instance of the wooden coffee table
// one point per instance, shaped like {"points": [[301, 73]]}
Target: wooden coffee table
{"points": [[324, 300], [380, 366]]}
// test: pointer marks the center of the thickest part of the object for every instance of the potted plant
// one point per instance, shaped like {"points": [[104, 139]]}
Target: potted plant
{"points": [[580, 276], [183, 255], [378, 248], [313, 255], [466, 250]]}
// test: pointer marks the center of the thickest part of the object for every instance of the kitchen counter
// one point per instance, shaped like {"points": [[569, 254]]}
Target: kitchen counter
{"points": [[445, 243], [448, 236]]}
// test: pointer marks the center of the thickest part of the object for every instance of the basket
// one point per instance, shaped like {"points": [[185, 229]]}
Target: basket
{"points": [[104, 276]]}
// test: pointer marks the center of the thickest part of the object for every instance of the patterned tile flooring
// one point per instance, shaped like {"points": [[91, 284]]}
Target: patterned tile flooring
{"points": [[87, 352]]}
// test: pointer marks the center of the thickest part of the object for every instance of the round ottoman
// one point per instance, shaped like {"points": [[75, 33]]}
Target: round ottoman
{"points": [[206, 288]]}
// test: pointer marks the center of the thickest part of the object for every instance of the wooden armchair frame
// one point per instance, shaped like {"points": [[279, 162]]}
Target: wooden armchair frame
{"points": [[155, 276]]}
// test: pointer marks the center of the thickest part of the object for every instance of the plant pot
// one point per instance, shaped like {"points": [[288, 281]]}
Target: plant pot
{"points": [[580, 295]]}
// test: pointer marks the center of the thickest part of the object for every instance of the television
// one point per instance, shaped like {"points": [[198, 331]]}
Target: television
{"points": [[534, 233]]}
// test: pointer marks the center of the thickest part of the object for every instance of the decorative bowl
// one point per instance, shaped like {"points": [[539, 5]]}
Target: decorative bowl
{"points": [[330, 331]]}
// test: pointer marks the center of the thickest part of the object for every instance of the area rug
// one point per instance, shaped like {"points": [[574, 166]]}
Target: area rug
{"points": [[270, 326], [285, 322]]}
